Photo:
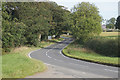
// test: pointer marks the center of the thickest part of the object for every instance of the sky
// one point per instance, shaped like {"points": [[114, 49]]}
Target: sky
{"points": [[107, 8]]}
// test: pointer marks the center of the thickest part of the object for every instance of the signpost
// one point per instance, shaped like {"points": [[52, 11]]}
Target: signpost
{"points": [[49, 37]]}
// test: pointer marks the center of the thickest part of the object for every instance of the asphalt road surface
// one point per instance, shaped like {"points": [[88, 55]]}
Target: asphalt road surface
{"points": [[80, 69]]}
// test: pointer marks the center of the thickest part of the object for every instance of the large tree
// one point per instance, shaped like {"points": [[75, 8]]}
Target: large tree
{"points": [[59, 19], [86, 21], [117, 25], [36, 16]]}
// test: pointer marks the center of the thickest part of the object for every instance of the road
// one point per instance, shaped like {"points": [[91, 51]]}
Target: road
{"points": [[52, 55]]}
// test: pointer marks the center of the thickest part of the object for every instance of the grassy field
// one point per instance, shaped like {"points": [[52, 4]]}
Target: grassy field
{"points": [[110, 34], [17, 64], [79, 51]]}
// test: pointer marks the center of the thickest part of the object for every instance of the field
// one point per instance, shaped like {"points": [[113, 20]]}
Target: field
{"points": [[110, 34], [103, 49]]}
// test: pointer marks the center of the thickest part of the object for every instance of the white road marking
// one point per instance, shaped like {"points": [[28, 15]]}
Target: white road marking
{"points": [[48, 56], [51, 57], [29, 55]]}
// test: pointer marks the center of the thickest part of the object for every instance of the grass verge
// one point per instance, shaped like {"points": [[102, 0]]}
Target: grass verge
{"points": [[78, 52], [56, 40], [17, 64]]}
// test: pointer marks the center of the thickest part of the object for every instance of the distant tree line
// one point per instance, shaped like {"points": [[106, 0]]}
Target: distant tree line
{"points": [[27, 23], [113, 23]]}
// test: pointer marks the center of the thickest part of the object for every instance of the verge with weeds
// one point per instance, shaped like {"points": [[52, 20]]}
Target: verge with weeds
{"points": [[104, 51], [17, 64]]}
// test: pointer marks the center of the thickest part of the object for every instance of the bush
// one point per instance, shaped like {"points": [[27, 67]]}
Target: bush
{"points": [[107, 47], [13, 35]]}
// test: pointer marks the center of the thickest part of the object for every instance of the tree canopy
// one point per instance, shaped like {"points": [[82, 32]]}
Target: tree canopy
{"points": [[29, 23], [24, 23], [86, 21]]}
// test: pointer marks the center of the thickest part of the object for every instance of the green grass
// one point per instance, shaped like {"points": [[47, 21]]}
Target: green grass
{"points": [[77, 51], [104, 46], [17, 64], [56, 40], [45, 43]]}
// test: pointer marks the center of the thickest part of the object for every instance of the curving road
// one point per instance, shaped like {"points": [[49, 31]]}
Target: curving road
{"points": [[80, 69]]}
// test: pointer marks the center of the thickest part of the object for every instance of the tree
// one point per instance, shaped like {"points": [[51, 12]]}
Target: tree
{"points": [[12, 31], [117, 25], [111, 23], [35, 16], [29, 23], [86, 21], [59, 19]]}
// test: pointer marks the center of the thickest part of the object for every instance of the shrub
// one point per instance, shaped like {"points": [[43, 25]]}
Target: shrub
{"points": [[13, 35]]}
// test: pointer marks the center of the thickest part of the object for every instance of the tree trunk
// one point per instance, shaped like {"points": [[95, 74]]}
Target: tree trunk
{"points": [[39, 39]]}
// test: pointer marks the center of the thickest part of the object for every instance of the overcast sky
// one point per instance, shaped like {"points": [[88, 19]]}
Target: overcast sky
{"points": [[107, 8]]}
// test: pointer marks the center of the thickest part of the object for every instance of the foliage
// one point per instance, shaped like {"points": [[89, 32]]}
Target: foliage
{"points": [[86, 21], [59, 20], [12, 31], [117, 25], [28, 23], [111, 23]]}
